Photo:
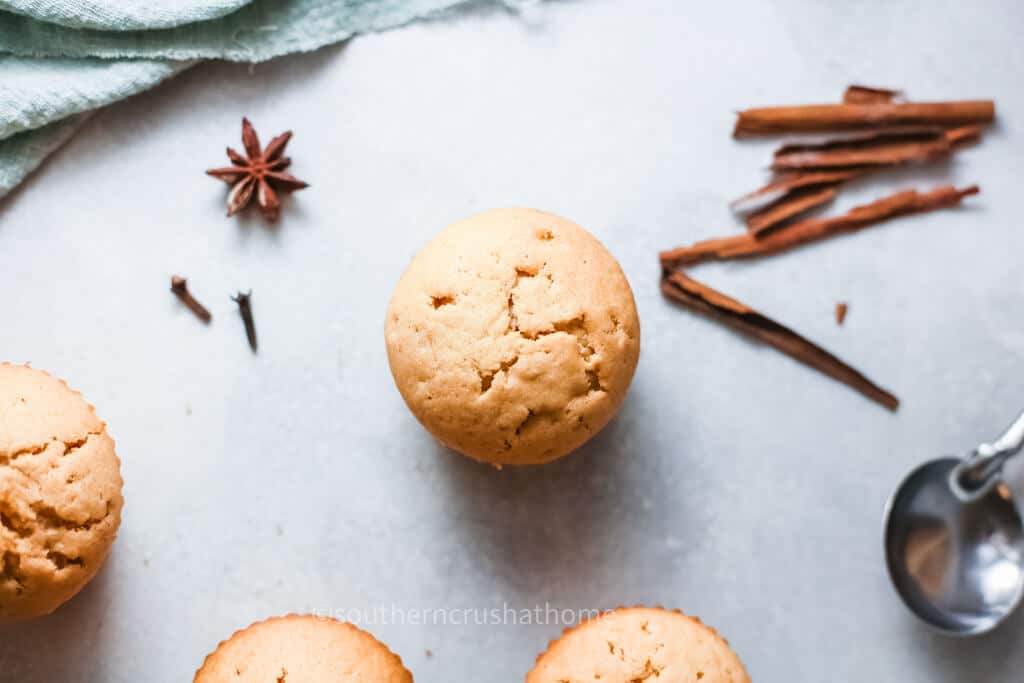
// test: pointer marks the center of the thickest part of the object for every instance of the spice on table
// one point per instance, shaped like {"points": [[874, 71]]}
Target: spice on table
{"points": [[890, 149], [864, 94], [789, 206], [244, 301], [815, 118], [813, 229], [180, 288], [832, 162], [786, 183], [260, 173], [885, 147], [878, 129], [958, 137], [703, 299]]}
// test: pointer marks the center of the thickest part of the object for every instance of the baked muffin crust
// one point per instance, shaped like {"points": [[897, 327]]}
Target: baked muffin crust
{"points": [[60, 493], [513, 336]]}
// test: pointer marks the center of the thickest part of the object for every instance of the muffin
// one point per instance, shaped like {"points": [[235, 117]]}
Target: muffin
{"points": [[302, 649], [60, 493], [639, 644], [513, 336]]}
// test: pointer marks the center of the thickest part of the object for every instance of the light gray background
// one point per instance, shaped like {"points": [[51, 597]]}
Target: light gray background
{"points": [[735, 484]]}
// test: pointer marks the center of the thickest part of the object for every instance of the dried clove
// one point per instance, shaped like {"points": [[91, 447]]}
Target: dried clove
{"points": [[245, 309], [180, 288]]}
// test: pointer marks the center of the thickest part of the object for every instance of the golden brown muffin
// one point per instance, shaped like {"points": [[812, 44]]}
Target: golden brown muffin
{"points": [[513, 336], [302, 649], [635, 644], [60, 493]]}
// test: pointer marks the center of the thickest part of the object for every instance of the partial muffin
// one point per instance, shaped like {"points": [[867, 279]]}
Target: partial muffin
{"points": [[60, 493], [635, 644], [513, 336], [302, 649]]}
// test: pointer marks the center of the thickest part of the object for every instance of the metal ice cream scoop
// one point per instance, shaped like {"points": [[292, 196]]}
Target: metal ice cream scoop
{"points": [[954, 541]]}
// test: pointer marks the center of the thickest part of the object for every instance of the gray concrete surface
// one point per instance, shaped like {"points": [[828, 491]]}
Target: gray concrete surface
{"points": [[736, 484]]}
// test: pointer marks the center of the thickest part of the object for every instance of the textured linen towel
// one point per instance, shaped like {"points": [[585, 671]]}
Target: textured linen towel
{"points": [[121, 15], [54, 66]]}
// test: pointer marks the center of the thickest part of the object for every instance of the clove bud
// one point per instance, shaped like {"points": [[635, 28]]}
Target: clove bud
{"points": [[180, 288]]}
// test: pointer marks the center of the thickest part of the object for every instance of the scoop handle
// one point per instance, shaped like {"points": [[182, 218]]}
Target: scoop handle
{"points": [[980, 470], [1009, 444]]}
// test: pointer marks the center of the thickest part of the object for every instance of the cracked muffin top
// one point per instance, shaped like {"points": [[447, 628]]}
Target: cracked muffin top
{"points": [[513, 336], [636, 644], [302, 649], [60, 493]]}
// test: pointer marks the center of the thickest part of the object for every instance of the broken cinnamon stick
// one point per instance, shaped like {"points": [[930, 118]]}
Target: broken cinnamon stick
{"points": [[789, 182], [823, 117], [887, 134], [881, 151], [864, 94], [814, 229], [793, 204], [867, 136], [841, 309], [962, 135], [703, 299]]}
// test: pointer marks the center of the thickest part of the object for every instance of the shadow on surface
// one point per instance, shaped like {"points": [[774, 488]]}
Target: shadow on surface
{"points": [[559, 529], [68, 645], [981, 658]]}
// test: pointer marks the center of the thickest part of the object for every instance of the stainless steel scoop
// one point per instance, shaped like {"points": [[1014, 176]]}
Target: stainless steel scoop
{"points": [[954, 542]]}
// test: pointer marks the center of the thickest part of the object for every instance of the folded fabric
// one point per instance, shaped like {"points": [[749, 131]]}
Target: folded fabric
{"points": [[53, 73], [259, 31], [21, 154], [121, 15], [35, 92]]}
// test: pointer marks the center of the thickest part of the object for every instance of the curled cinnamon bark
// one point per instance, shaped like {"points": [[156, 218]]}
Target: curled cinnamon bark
{"points": [[864, 94], [866, 137], [793, 204], [812, 118], [796, 164], [785, 183], [881, 149], [814, 229], [703, 299], [958, 137]]}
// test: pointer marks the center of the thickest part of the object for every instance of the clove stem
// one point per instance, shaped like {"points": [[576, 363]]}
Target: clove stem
{"points": [[245, 309], [180, 288]]}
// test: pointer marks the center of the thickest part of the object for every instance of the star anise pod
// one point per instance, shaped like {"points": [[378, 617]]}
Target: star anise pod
{"points": [[260, 173]]}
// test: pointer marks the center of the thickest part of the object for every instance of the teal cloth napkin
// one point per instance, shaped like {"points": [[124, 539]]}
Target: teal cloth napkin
{"points": [[122, 15], [52, 73]]}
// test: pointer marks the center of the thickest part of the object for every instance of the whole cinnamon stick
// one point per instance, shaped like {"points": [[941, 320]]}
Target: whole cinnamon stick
{"points": [[703, 299], [823, 117], [814, 229], [789, 206], [864, 94]]}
